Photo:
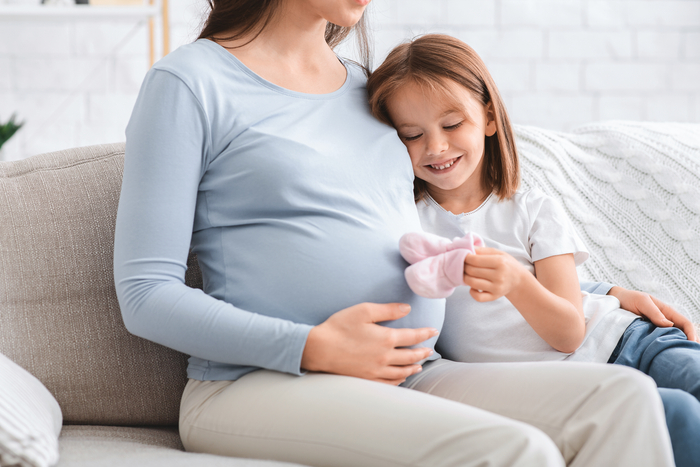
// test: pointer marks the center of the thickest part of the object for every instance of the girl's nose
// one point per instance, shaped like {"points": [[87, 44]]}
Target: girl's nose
{"points": [[436, 145]]}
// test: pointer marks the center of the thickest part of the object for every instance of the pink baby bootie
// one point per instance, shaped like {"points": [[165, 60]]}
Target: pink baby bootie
{"points": [[437, 264]]}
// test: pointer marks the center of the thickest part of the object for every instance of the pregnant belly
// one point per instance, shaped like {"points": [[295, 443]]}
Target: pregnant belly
{"points": [[306, 278]]}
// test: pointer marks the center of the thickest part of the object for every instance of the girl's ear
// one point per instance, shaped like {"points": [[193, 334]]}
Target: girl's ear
{"points": [[490, 129]]}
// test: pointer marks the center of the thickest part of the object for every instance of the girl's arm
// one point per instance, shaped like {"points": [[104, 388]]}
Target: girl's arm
{"points": [[643, 304], [550, 300], [656, 311]]}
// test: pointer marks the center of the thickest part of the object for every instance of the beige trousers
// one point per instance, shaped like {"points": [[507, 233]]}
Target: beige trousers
{"points": [[450, 414]]}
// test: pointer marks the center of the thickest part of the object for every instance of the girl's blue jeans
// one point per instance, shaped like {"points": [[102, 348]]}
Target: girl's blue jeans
{"points": [[673, 362]]}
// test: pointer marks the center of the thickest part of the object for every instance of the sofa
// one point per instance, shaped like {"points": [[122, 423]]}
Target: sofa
{"points": [[631, 189]]}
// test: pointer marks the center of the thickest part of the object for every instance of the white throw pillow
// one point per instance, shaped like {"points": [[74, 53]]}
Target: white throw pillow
{"points": [[30, 419], [631, 190]]}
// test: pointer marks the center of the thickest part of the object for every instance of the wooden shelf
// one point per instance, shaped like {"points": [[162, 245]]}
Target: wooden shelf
{"points": [[78, 12], [150, 11]]}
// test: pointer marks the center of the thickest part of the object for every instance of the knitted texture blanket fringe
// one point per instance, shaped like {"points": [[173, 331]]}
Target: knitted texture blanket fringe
{"points": [[632, 191]]}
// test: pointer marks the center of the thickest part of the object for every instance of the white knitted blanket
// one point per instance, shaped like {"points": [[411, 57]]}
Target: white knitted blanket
{"points": [[632, 191]]}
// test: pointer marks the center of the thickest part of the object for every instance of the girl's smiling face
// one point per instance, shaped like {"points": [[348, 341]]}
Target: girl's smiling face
{"points": [[445, 141]]}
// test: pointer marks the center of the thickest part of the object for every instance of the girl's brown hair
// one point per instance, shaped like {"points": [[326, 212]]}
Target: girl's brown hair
{"points": [[236, 19], [429, 61]]}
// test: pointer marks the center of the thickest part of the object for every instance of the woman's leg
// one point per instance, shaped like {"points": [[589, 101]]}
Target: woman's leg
{"points": [[665, 354], [329, 420], [596, 414], [683, 422]]}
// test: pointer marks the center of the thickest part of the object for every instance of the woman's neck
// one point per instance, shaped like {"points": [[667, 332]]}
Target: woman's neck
{"points": [[291, 52]]}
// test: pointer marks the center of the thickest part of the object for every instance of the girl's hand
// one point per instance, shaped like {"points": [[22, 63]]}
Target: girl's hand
{"points": [[351, 343], [656, 311], [492, 274]]}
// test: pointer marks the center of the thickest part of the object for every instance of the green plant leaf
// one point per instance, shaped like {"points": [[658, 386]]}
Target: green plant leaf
{"points": [[8, 129]]}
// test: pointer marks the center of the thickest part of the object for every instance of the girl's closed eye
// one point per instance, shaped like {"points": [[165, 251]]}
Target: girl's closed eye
{"points": [[416, 136], [410, 137]]}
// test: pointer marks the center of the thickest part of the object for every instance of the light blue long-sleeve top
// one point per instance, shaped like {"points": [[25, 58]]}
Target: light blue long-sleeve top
{"points": [[294, 204]]}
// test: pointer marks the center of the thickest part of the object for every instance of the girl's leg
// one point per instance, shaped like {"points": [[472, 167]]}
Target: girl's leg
{"points": [[665, 354], [683, 421], [595, 416], [329, 420]]}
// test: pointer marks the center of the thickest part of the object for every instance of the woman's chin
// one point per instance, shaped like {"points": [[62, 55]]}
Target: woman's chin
{"points": [[349, 16], [348, 21]]}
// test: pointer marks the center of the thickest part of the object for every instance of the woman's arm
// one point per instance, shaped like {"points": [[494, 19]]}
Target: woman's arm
{"points": [[167, 150], [168, 143], [550, 301]]}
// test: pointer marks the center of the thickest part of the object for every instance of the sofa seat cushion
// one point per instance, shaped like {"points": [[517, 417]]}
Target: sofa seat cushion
{"points": [[58, 307], [110, 446]]}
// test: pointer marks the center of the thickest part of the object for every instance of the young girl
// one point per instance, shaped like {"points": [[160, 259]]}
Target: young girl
{"points": [[523, 302]]}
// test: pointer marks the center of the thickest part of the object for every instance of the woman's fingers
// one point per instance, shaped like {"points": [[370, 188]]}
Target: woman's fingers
{"points": [[409, 357], [351, 343], [407, 337], [394, 373], [403, 365], [379, 312]]}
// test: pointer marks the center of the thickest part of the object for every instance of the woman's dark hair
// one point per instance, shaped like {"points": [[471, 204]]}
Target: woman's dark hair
{"points": [[431, 61], [235, 19]]}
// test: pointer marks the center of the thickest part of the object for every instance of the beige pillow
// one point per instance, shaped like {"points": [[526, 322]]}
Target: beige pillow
{"points": [[58, 307], [30, 419]]}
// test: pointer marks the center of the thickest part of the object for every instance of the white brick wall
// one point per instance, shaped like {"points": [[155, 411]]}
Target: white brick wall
{"points": [[585, 44], [562, 63], [610, 76], [662, 13], [541, 13], [558, 63], [5, 65], [691, 45]]}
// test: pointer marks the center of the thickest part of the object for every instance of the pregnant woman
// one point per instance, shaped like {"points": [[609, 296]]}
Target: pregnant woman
{"points": [[254, 146]]}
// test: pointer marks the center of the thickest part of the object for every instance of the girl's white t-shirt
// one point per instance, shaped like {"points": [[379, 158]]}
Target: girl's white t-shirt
{"points": [[530, 226]]}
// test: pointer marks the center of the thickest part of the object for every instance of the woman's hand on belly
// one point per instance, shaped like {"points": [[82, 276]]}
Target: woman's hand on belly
{"points": [[351, 343]]}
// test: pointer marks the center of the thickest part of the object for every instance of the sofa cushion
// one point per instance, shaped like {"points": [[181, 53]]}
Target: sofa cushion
{"points": [[108, 446], [58, 308], [30, 419]]}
